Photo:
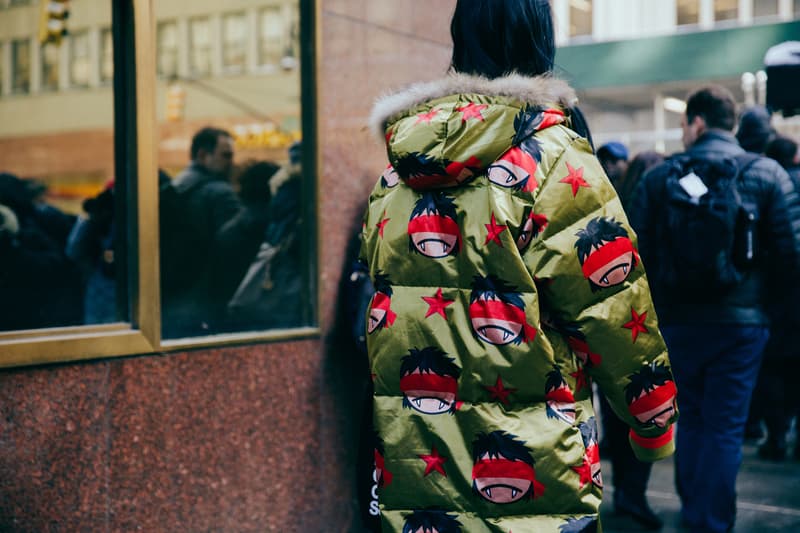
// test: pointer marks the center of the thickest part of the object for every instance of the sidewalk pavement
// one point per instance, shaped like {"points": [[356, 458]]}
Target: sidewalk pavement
{"points": [[768, 497]]}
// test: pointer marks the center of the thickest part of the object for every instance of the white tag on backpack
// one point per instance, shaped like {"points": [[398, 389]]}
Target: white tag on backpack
{"points": [[693, 185]]}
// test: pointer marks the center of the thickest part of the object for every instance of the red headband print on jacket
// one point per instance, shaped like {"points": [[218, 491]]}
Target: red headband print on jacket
{"points": [[503, 469], [429, 381], [606, 254], [433, 228], [651, 395], [497, 312]]}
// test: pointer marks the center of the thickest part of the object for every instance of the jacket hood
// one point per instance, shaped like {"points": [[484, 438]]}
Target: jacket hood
{"points": [[441, 133]]}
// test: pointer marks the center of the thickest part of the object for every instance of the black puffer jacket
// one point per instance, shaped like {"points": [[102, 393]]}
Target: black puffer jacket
{"points": [[765, 185]]}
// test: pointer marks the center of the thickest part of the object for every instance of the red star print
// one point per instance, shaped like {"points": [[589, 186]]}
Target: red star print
{"points": [[581, 380], [575, 179], [437, 304], [434, 461], [585, 471], [494, 230], [636, 324], [382, 224], [472, 110], [499, 391], [426, 117]]}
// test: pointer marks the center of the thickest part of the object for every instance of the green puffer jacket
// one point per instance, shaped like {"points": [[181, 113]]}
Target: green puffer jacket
{"points": [[507, 279]]}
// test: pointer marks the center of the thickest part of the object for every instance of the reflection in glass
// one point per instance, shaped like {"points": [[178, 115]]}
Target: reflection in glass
{"points": [[726, 10], [580, 17], [79, 63], [688, 12], [167, 45], [231, 167], [50, 66], [234, 44], [21, 65], [200, 47], [106, 56], [58, 211]]}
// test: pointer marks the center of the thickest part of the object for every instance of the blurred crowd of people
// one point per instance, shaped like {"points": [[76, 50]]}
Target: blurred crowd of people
{"points": [[227, 240]]}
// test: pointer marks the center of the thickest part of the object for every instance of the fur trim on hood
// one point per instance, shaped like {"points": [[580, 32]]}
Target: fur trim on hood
{"points": [[533, 90]]}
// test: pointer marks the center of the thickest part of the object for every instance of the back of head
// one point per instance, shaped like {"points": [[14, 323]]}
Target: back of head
{"points": [[612, 152], [714, 104], [755, 129], [492, 38], [206, 140], [783, 150]]}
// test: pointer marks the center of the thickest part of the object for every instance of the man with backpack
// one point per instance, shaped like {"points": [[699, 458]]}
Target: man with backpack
{"points": [[715, 236]]}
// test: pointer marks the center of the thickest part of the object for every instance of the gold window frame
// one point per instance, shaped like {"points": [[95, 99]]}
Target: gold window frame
{"points": [[142, 335]]}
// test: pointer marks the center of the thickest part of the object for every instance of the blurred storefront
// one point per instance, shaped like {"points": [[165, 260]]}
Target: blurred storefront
{"points": [[633, 62]]}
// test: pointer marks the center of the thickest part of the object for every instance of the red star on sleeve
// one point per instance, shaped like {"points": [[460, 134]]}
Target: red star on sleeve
{"points": [[574, 179], [434, 461], [472, 110], [427, 117], [636, 324], [494, 230], [382, 224], [585, 471], [437, 304], [498, 391]]}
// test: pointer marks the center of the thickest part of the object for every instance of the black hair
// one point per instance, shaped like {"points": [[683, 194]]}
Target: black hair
{"points": [[431, 520], [382, 283], [783, 150], [500, 444], [588, 431], [493, 287], [647, 379], [415, 165], [714, 104], [555, 380], [598, 231], [206, 139], [254, 181], [430, 359], [492, 38], [431, 203]]}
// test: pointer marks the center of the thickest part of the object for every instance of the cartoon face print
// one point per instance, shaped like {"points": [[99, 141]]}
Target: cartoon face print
{"points": [[422, 172], [431, 521], [651, 395], [389, 178], [531, 227], [588, 431], [606, 254], [432, 228], [559, 399], [380, 311], [380, 475], [497, 312], [514, 169], [503, 469], [531, 119], [429, 381], [576, 340]]}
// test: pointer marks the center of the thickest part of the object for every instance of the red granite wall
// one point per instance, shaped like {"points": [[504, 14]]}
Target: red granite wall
{"points": [[253, 438]]}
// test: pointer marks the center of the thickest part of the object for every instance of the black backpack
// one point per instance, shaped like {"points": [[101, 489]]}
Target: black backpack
{"points": [[709, 241]]}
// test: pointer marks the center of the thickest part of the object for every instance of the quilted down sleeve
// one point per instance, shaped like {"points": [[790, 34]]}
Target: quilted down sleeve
{"points": [[594, 293]]}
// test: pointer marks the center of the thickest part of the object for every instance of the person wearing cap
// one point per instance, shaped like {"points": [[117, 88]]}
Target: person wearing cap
{"points": [[613, 157]]}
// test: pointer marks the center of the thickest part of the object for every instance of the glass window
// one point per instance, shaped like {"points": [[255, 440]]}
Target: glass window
{"points": [[167, 49], [726, 10], [20, 66], [765, 8], [59, 165], [580, 17], [797, 8], [200, 46], [234, 42], [243, 268], [688, 12], [106, 56], [270, 35], [79, 64], [50, 71]]}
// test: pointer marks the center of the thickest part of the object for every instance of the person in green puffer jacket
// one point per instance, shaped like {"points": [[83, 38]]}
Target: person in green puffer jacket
{"points": [[506, 279]]}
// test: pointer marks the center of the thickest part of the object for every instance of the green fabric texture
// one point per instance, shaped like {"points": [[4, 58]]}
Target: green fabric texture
{"points": [[507, 280]]}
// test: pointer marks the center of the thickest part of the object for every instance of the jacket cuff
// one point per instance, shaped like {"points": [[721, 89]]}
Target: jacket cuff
{"points": [[651, 449]]}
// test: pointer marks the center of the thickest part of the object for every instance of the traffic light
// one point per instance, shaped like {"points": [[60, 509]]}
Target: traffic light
{"points": [[53, 21]]}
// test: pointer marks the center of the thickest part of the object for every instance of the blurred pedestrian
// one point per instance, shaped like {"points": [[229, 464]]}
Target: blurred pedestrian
{"points": [[614, 158], [501, 269], [708, 219]]}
